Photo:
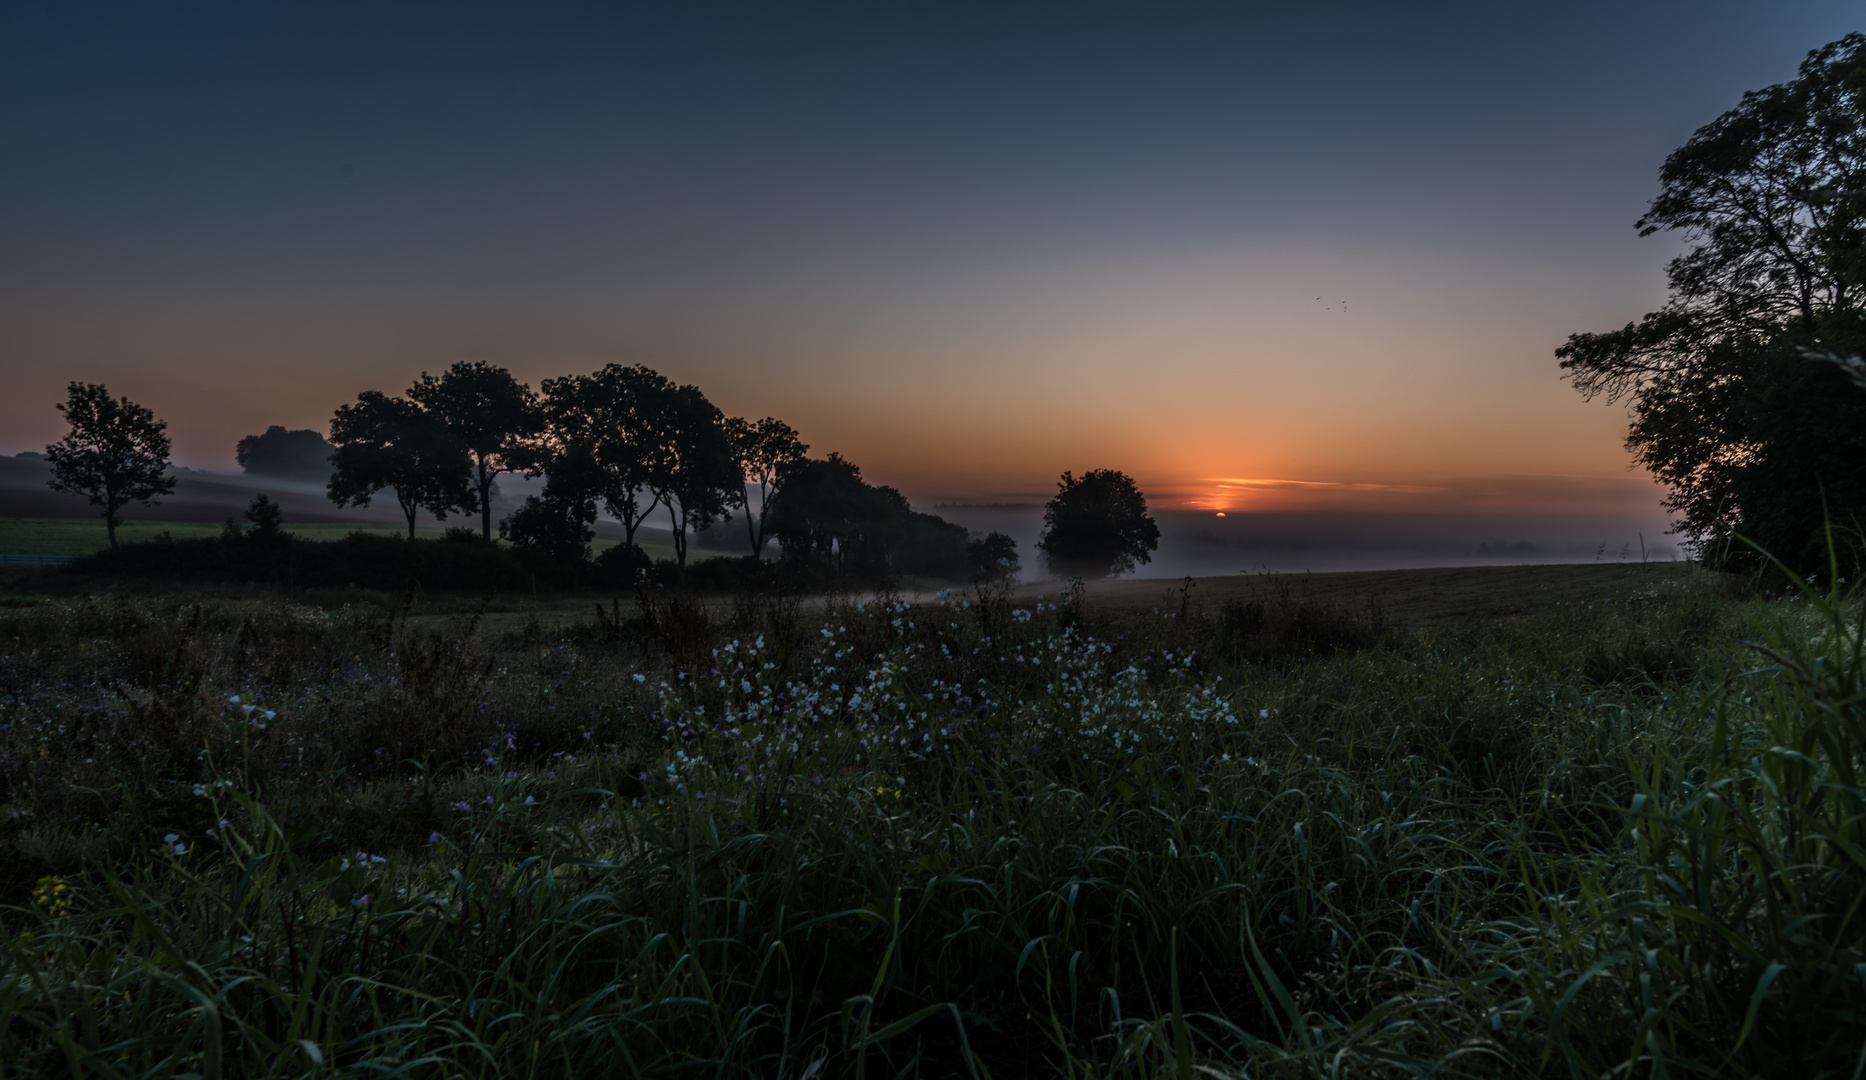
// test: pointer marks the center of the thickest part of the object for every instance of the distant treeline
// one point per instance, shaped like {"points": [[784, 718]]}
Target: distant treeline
{"points": [[627, 442]]}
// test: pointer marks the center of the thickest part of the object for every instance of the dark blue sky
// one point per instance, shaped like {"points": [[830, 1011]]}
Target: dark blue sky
{"points": [[967, 246]]}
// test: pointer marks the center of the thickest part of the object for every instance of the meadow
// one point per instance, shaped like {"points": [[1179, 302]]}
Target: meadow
{"points": [[1590, 826], [86, 535]]}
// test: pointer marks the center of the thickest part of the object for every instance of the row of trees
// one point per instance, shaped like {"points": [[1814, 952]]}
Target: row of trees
{"points": [[626, 441]]}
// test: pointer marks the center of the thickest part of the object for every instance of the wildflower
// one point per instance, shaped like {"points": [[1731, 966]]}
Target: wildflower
{"points": [[462, 806], [54, 895]]}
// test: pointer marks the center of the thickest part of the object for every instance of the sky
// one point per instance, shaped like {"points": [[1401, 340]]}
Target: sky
{"points": [[1297, 258]]}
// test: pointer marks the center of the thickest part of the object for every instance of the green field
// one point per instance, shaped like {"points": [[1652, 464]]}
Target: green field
{"points": [[86, 536]]}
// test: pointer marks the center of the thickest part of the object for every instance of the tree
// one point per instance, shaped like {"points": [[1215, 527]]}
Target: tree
{"points": [[993, 558], [764, 450], [385, 442], [487, 411], [1753, 436], [265, 518], [559, 521], [115, 454], [696, 476], [1097, 526], [289, 455], [624, 414], [824, 509]]}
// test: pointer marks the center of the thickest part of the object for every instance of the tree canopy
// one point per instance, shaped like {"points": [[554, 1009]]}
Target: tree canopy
{"points": [[993, 558], [1097, 526], [764, 450], [697, 477], [824, 509], [1753, 436], [391, 442], [488, 412], [287, 455], [116, 453], [559, 521]]}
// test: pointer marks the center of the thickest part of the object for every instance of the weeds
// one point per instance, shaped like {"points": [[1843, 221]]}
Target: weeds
{"points": [[946, 839]]}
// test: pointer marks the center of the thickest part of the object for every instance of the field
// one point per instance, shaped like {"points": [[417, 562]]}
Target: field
{"points": [[1413, 598], [86, 536], [1597, 820]]}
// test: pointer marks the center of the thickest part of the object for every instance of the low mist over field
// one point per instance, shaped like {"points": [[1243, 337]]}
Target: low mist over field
{"points": [[1201, 543]]}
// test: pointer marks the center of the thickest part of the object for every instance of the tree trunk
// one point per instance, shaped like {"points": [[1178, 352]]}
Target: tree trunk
{"points": [[485, 502], [680, 537]]}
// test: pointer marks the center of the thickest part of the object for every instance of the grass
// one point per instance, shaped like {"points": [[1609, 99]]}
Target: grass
{"points": [[1619, 836], [86, 536], [1452, 596]]}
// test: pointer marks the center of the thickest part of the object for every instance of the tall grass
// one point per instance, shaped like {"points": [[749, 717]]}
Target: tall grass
{"points": [[947, 841]]}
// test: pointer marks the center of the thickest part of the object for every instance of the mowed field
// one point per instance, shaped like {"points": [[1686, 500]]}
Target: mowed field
{"points": [[86, 536], [1441, 596]]}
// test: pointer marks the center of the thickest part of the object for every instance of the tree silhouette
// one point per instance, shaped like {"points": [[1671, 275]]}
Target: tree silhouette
{"points": [[764, 450], [993, 558], [824, 509], [489, 412], [289, 455], [559, 521], [1097, 526], [622, 413], [385, 442], [697, 476], [1752, 436], [116, 453]]}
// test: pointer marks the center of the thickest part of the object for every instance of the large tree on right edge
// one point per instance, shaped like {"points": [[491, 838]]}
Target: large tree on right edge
{"points": [[1755, 437]]}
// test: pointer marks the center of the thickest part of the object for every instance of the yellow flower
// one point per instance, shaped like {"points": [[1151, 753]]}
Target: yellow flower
{"points": [[54, 895]]}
